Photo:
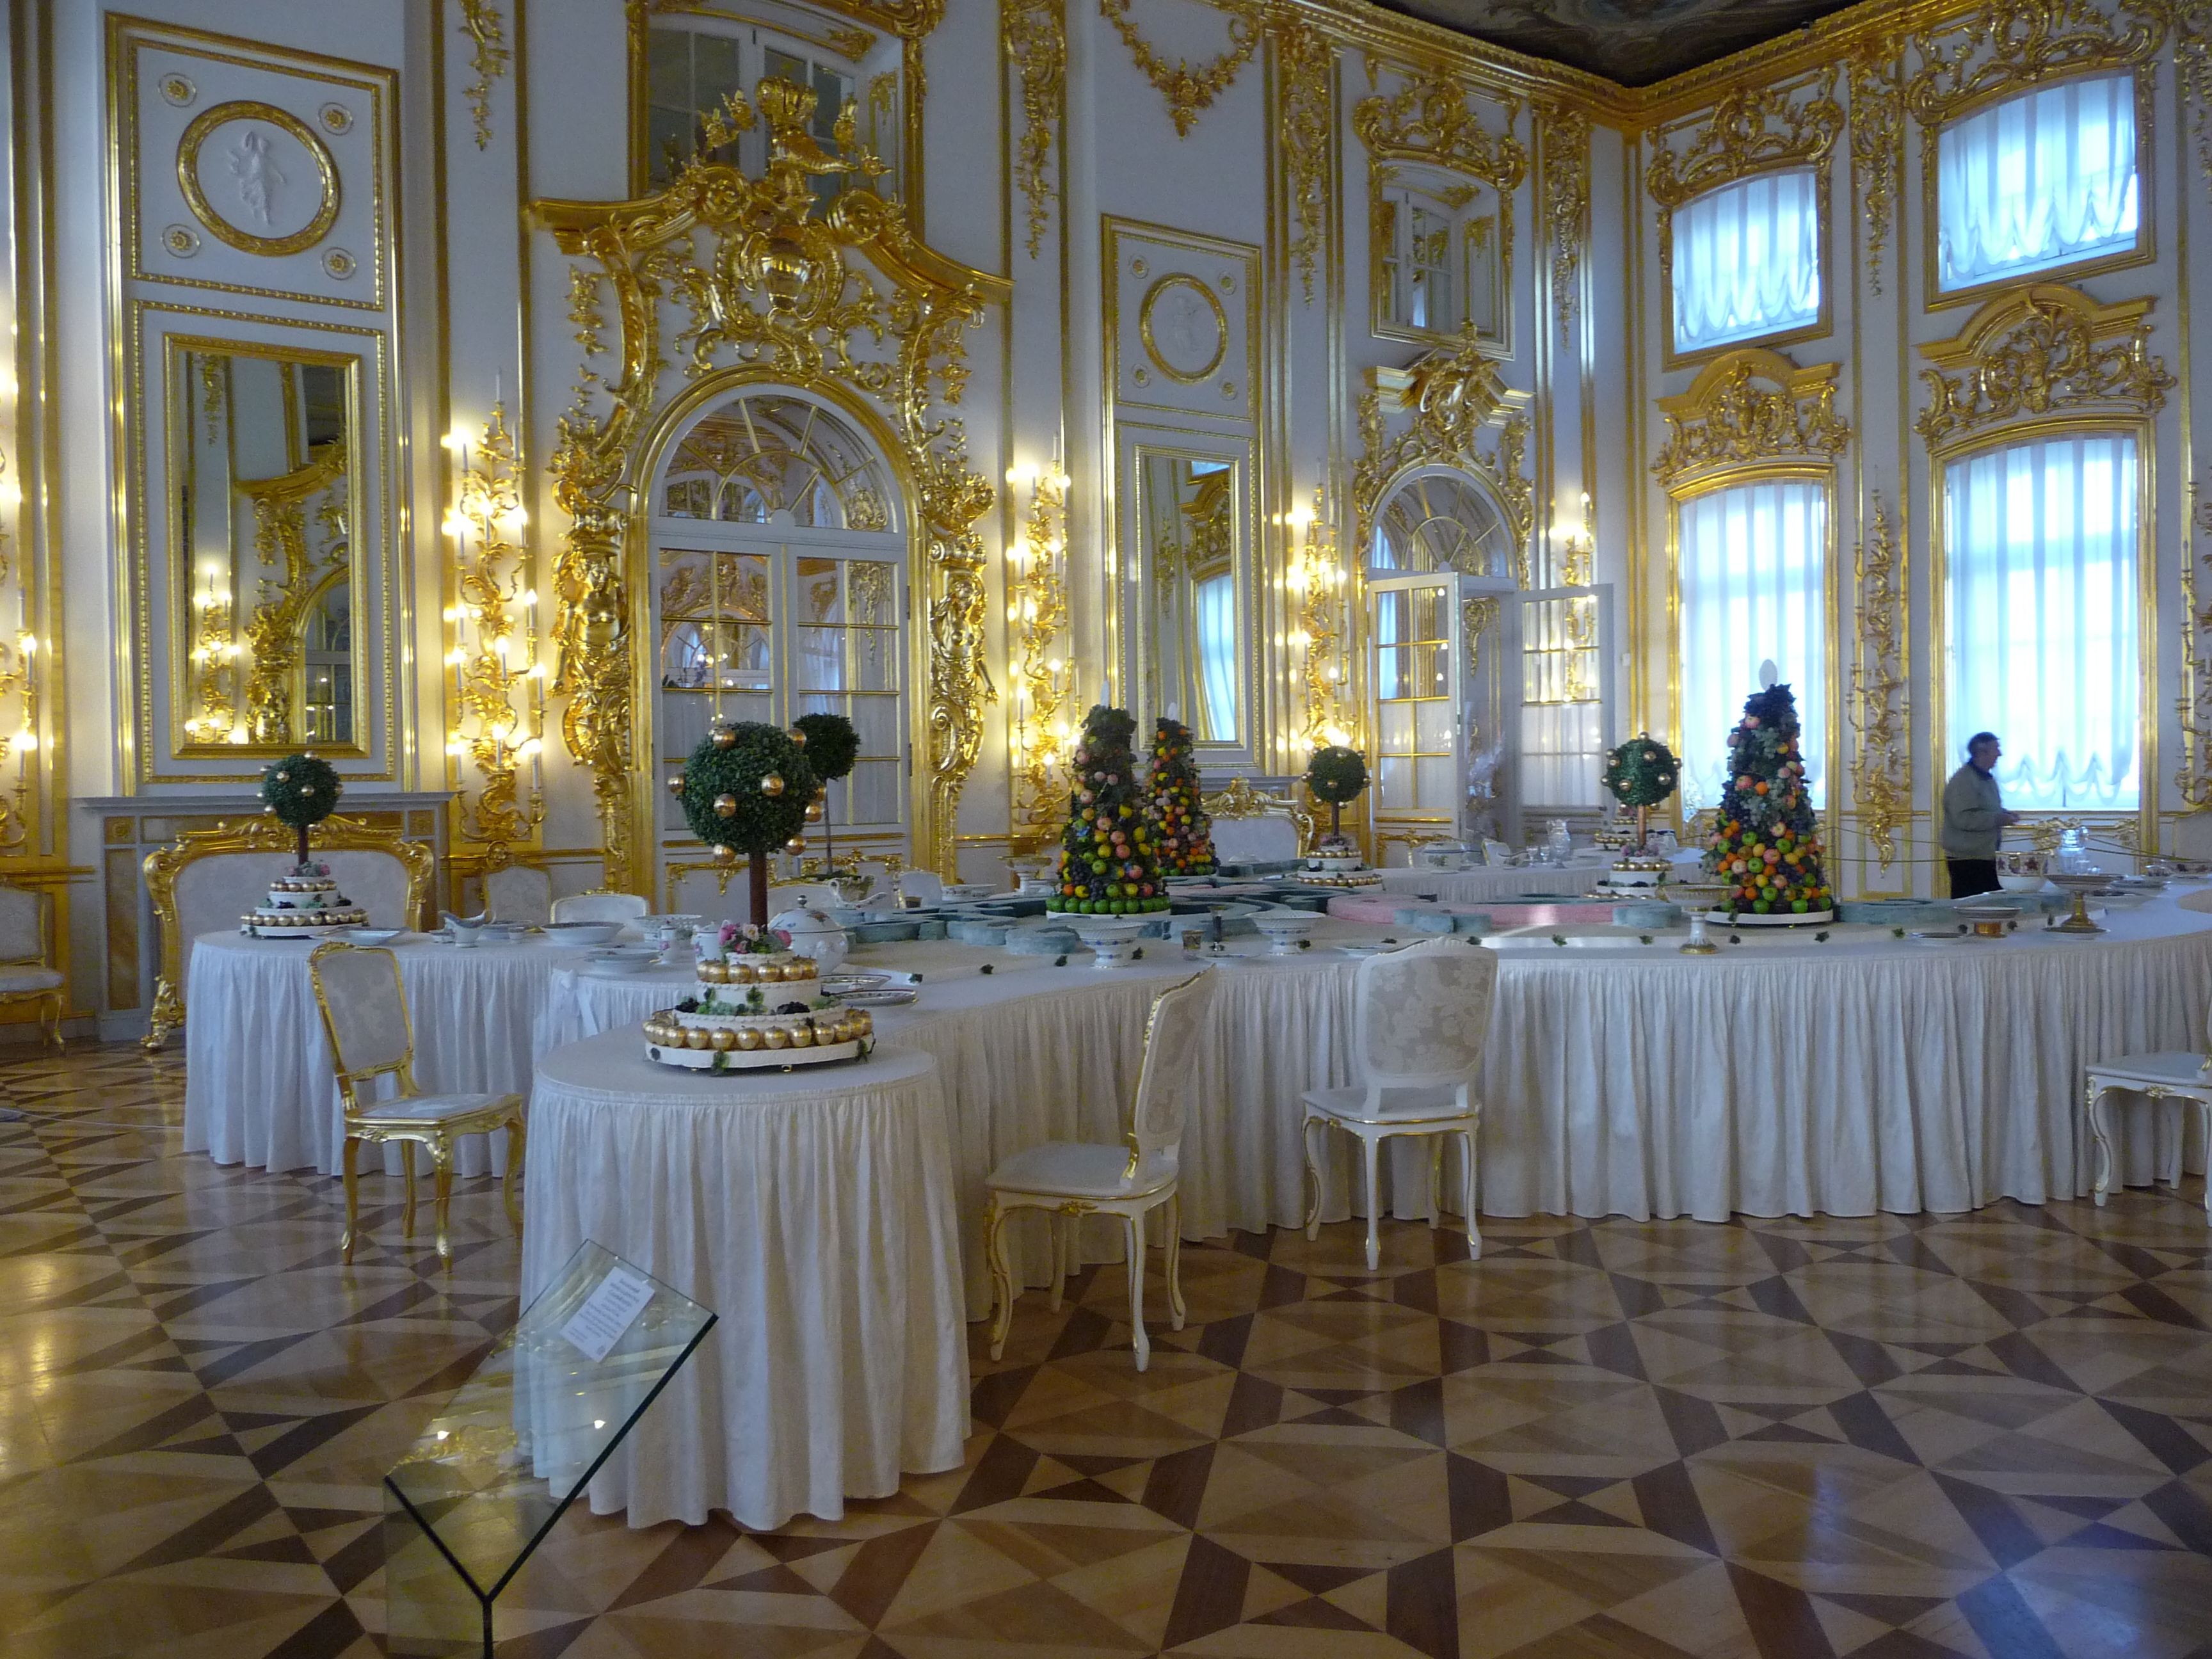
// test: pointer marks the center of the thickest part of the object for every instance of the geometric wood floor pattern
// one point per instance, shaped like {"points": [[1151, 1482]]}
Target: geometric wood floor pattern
{"points": [[1897, 1438]]}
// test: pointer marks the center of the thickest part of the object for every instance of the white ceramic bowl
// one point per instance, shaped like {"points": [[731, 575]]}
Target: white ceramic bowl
{"points": [[1113, 940], [967, 891], [575, 934], [2028, 884], [1285, 929], [621, 958], [375, 935]]}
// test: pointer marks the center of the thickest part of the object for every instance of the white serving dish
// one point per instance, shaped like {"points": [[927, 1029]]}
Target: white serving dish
{"points": [[2033, 883], [621, 958], [577, 934], [375, 935], [1285, 929], [969, 891], [1113, 940]]}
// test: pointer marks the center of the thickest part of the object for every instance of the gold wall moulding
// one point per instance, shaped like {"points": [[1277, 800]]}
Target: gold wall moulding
{"points": [[2010, 46], [1566, 203], [1746, 408], [1184, 328], [1427, 119], [1451, 396], [259, 177], [1877, 142], [2193, 782], [1042, 671], [2036, 350], [489, 57], [1751, 129], [1307, 135], [765, 286], [1033, 35], [1189, 88], [1881, 771]]}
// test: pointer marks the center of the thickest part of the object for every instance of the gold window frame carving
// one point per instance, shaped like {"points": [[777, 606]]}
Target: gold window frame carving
{"points": [[1748, 131], [1453, 395], [2145, 250], [777, 295], [1726, 422], [1427, 124], [2039, 361], [335, 833], [910, 21]]}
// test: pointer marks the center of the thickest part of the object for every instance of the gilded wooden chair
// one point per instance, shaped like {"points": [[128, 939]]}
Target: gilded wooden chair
{"points": [[1072, 1179], [600, 905], [1250, 827], [210, 878], [25, 976], [519, 893], [365, 1018], [1419, 1029]]}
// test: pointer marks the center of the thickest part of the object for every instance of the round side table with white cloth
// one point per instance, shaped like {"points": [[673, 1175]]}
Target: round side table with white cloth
{"points": [[259, 1087], [813, 1212]]}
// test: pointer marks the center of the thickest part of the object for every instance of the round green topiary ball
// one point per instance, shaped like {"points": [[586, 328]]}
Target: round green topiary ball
{"points": [[762, 821]]}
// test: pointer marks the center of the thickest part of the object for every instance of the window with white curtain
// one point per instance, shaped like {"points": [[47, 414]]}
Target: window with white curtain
{"points": [[1215, 601], [2038, 180], [2041, 543], [1746, 260], [1752, 575]]}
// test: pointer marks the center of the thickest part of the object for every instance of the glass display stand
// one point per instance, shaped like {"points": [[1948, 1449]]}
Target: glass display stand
{"points": [[490, 1475]]}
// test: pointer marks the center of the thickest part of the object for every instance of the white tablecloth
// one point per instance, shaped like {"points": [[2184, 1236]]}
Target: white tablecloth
{"points": [[814, 1212], [259, 1087], [1484, 884]]}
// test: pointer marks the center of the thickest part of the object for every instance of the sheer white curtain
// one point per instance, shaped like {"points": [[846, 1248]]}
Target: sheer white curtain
{"points": [[1746, 260], [2037, 180], [2041, 543], [1216, 605], [1752, 582]]}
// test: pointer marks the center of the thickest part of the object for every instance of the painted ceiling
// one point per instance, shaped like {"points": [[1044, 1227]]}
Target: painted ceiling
{"points": [[1634, 42]]}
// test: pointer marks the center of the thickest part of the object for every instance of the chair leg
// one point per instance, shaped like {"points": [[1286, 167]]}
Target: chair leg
{"points": [[1175, 1259], [51, 1009], [352, 1197], [441, 1174], [1372, 1147], [1313, 1170], [1133, 1226], [515, 1144], [2102, 1130], [1473, 1230], [407, 1190], [1056, 1229], [1435, 1181], [1002, 1276], [2205, 1108]]}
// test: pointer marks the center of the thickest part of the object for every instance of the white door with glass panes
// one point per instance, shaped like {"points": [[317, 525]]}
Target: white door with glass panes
{"points": [[1565, 648], [780, 590]]}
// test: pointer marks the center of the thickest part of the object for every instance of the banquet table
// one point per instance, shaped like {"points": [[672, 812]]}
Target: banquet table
{"points": [[813, 1212], [258, 1086], [1796, 1077], [1484, 884]]}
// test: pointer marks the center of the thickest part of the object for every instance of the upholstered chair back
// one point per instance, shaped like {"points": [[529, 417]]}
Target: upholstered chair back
{"points": [[1263, 838], [518, 893], [1423, 1017], [601, 907], [1170, 1073], [364, 1009], [22, 932]]}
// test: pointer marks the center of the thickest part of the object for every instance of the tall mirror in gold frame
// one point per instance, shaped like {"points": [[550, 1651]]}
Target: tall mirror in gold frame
{"points": [[1189, 514], [264, 579]]}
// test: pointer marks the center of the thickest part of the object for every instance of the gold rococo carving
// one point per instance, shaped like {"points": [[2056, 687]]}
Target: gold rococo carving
{"points": [[1567, 201], [1190, 87], [1453, 395], [1747, 407], [910, 20], [1881, 771], [1751, 129], [1428, 120], [764, 284], [1033, 35], [2039, 349], [2009, 45], [1877, 142], [1307, 59], [2193, 782]]}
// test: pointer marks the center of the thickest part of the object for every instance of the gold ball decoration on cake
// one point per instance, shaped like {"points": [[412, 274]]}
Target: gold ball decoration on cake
{"points": [[724, 738], [725, 807], [772, 785], [721, 1039]]}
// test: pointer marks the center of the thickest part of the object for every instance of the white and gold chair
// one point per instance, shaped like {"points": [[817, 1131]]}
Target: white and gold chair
{"points": [[208, 879], [365, 1018], [1250, 827], [600, 905], [1073, 1179], [519, 893], [2178, 1075], [1420, 1022], [25, 976]]}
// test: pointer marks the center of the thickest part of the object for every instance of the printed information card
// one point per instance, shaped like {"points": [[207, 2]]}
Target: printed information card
{"points": [[611, 1309]]}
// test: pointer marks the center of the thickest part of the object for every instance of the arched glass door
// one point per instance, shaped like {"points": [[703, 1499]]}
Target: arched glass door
{"points": [[780, 590]]}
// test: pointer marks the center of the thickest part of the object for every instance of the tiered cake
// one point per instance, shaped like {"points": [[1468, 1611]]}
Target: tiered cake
{"points": [[756, 1010], [1637, 876], [304, 903]]}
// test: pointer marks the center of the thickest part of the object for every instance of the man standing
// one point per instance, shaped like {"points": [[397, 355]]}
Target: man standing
{"points": [[1974, 819]]}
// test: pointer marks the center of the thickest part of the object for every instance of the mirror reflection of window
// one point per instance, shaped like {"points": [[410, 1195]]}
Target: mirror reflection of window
{"points": [[262, 469], [1188, 507], [692, 66], [1439, 253]]}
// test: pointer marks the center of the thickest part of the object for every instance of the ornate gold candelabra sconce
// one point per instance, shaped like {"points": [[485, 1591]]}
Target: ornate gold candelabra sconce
{"points": [[215, 662], [497, 684], [1320, 585], [19, 681], [1043, 679]]}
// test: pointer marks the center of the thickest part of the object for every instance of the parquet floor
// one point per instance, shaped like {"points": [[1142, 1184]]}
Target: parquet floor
{"points": [[1899, 1437]]}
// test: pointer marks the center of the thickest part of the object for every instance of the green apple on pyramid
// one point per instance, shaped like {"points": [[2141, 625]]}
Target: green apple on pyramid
{"points": [[1182, 834], [1764, 849], [1107, 863]]}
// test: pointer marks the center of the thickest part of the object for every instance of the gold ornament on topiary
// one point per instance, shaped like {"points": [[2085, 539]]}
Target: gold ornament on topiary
{"points": [[724, 738], [772, 785], [725, 807], [676, 786], [796, 844]]}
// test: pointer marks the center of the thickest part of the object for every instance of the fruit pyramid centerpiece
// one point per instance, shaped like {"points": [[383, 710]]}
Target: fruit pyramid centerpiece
{"points": [[1764, 850], [1183, 834], [1108, 864]]}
